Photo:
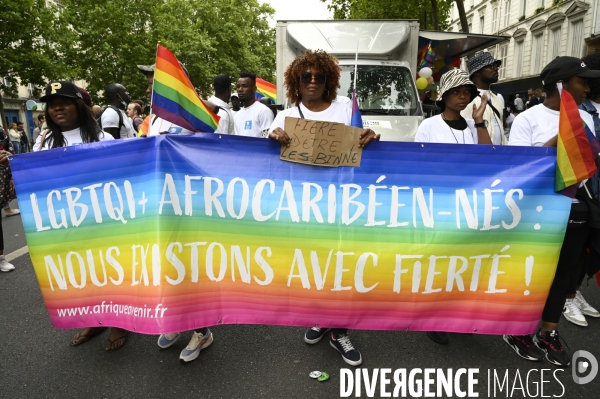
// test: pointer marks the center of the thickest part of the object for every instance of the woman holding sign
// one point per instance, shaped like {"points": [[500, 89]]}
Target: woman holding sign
{"points": [[70, 122], [312, 81]]}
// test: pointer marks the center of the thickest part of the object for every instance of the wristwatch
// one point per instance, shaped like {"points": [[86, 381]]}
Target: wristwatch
{"points": [[482, 124]]}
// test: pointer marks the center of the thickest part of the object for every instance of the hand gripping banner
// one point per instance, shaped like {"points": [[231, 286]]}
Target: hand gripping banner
{"points": [[175, 232]]}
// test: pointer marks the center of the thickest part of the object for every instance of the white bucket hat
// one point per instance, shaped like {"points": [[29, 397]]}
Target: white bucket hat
{"points": [[455, 78]]}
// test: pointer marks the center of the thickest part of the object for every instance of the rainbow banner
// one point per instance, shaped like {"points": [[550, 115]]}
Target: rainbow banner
{"points": [[182, 232], [174, 98], [266, 89], [575, 160]]}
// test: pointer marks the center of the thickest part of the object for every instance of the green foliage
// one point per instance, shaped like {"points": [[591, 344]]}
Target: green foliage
{"points": [[24, 57], [539, 10], [385, 9], [103, 41]]}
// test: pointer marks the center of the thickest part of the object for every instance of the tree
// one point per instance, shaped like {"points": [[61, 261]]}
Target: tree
{"points": [[26, 51], [437, 11], [103, 42], [464, 24]]}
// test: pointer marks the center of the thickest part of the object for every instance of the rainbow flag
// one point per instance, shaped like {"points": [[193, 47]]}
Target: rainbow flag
{"points": [[174, 98], [266, 89], [577, 147]]}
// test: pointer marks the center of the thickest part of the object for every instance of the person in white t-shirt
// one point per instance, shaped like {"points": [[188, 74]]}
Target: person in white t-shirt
{"points": [[114, 120], [70, 122], [538, 126], [312, 81], [222, 86], [235, 104], [457, 92], [483, 71], [255, 118]]}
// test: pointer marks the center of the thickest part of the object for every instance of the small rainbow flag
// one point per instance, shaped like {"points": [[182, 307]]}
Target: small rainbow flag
{"points": [[356, 120], [266, 89], [577, 147], [174, 98]]}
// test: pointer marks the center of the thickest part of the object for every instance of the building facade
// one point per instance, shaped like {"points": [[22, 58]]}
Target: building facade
{"points": [[539, 31]]}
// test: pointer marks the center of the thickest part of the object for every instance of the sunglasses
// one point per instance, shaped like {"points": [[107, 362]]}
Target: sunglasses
{"points": [[319, 78]]}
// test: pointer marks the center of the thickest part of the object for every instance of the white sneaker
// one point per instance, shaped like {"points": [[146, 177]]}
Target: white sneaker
{"points": [[584, 306], [5, 266], [198, 342], [572, 313]]}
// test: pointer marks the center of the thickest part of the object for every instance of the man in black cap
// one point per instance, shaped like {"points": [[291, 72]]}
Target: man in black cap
{"points": [[222, 86], [483, 71], [114, 120], [538, 126]]}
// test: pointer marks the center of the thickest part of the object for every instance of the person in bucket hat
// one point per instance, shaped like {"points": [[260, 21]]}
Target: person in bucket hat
{"points": [[456, 93], [483, 71], [538, 126]]}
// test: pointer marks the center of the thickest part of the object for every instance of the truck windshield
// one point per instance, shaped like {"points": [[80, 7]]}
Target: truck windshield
{"points": [[381, 89]]}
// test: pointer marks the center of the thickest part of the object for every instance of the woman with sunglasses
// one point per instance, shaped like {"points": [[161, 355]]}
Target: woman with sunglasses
{"points": [[312, 81], [70, 122]]}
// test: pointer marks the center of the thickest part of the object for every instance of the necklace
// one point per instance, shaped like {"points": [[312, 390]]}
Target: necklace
{"points": [[452, 130]]}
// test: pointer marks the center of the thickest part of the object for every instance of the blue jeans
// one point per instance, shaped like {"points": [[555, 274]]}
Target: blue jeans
{"points": [[16, 146]]}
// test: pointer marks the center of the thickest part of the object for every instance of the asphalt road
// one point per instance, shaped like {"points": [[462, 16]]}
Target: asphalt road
{"points": [[245, 361]]}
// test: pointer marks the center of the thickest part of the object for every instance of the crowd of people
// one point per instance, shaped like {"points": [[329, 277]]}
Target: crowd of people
{"points": [[471, 113]]}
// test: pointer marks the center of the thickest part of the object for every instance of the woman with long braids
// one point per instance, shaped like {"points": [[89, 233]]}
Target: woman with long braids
{"points": [[312, 81], [70, 122]]}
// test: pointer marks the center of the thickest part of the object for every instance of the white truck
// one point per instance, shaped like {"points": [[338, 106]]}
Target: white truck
{"points": [[387, 61]]}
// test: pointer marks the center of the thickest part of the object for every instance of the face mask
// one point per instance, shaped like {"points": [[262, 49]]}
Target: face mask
{"points": [[122, 102]]}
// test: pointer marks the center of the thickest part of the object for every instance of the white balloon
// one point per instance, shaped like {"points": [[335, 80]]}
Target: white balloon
{"points": [[425, 72]]}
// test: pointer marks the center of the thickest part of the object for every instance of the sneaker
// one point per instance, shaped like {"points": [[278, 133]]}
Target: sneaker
{"points": [[524, 346], [166, 340], [11, 212], [314, 335], [5, 266], [343, 345], [549, 343], [584, 306], [198, 342], [572, 313], [439, 337]]}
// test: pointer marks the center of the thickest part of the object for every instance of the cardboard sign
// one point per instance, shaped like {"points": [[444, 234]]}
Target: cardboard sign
{"points": [[321, 143]]}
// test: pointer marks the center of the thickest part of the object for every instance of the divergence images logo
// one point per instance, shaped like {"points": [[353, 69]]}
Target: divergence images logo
{"points": [[584, 362]]}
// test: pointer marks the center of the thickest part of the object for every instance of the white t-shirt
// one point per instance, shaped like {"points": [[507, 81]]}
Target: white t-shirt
{"points": [[110, 118], [436, 130], [253, 120], [597, 106], [336, 112], [343, 100], [536, 126], [72, 137], [226, 125], [497, 138]]}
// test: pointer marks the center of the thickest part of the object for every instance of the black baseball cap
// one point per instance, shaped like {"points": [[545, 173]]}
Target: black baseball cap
{"points": [[562, 68], [61, 88], [222, 82]]}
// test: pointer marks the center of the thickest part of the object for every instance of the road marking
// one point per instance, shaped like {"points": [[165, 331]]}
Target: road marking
{"points": [[16, 254]]}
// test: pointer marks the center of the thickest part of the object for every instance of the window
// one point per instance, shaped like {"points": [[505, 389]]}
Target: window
{"points": [[481, 24], [524, 8], [576, 29], [470, 26], [494, 19], [536, 53], [502, 71], [6, 82], [506, 14], [554, 45], [518, 59], [541, 3], [492, 52]]}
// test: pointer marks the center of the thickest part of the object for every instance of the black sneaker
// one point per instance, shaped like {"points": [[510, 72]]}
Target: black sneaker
{"points": [[524, 346], [314, 335], [439, 337], [343, 345], [549, 343]]}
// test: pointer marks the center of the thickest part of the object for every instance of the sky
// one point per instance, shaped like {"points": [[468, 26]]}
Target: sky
{"points": [[298, 10]]}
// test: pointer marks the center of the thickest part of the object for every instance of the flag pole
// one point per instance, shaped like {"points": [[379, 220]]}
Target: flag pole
{"points": [[356, 66]]}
